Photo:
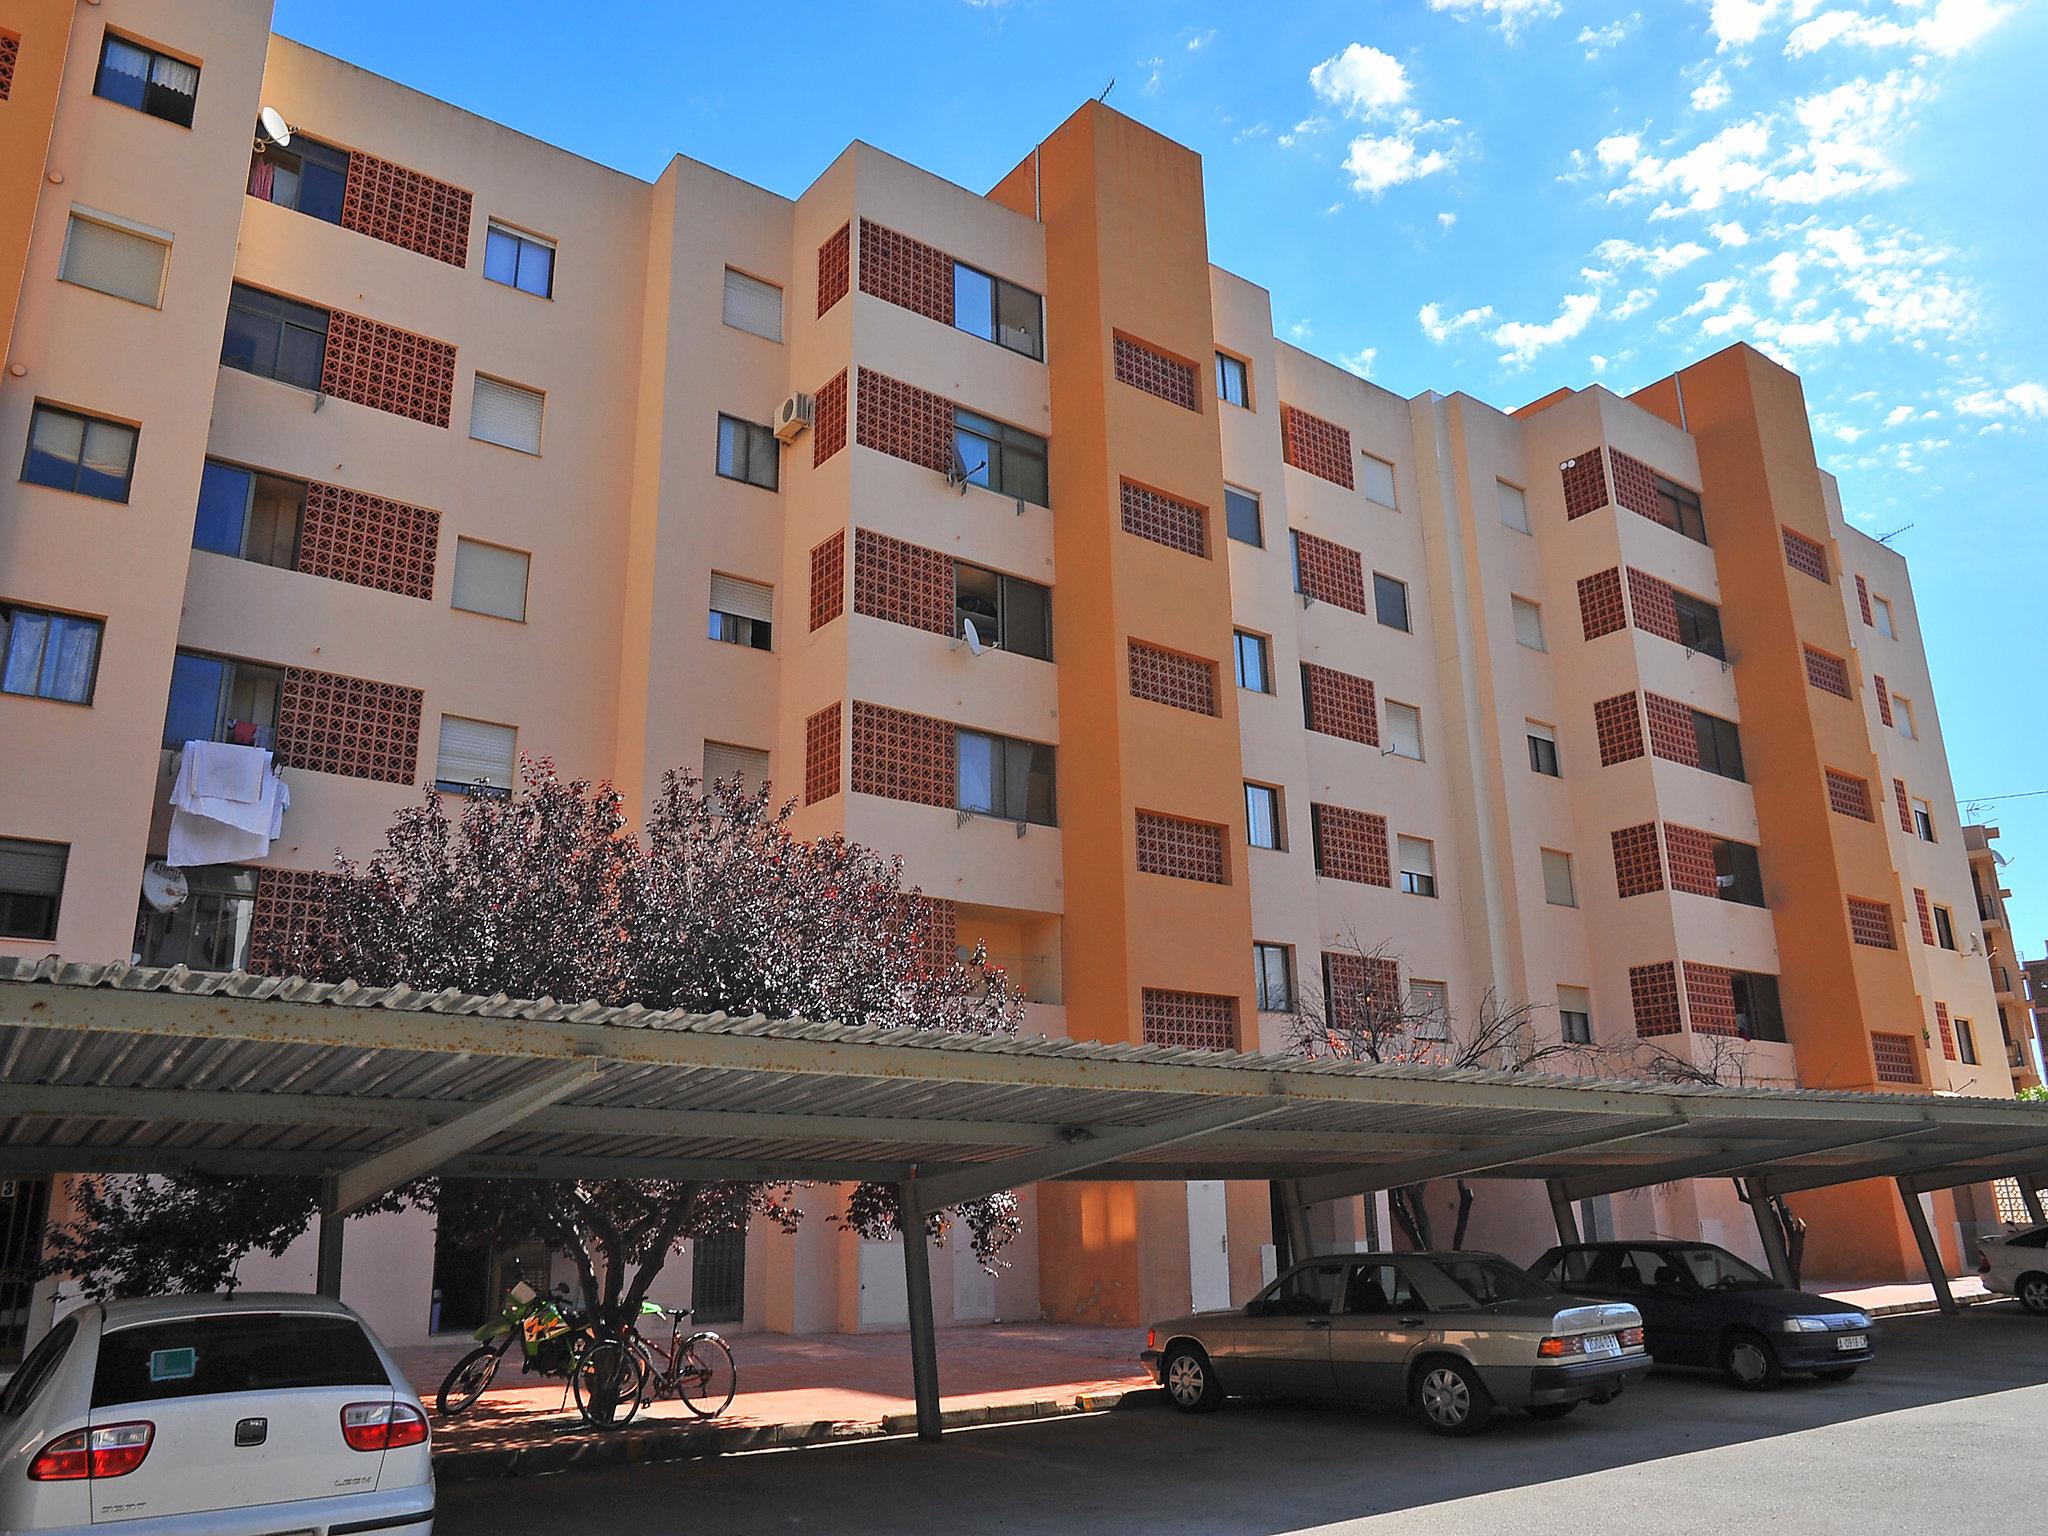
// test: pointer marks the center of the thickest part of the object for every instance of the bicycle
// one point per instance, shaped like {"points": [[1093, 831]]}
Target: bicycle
{"points": [[698, 1369], [555, 1339]]}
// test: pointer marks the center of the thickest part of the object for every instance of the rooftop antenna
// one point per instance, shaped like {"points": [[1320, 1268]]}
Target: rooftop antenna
{"points": [[1107, 89], [1887, 538]]}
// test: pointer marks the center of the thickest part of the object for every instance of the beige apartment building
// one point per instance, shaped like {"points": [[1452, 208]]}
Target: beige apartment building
{"points": [[412, 443], [1993, 937]]}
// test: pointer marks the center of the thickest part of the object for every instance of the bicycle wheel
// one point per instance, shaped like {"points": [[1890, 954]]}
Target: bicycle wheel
{"points": [[461, 1387], [706, 1378], [606, 1382]]}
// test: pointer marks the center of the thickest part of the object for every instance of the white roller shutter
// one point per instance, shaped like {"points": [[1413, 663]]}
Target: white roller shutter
{"points": [[752, 305], [32, 869], [742, 599], [1514, 506], [475, 752], [1404, 730], [1377, 476], [490, 580], [724, 762], [506, 414], [117, 261], [1529, 624]]}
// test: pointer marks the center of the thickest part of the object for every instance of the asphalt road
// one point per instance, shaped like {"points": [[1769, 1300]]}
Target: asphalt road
{"points": [[1943, 1432]]}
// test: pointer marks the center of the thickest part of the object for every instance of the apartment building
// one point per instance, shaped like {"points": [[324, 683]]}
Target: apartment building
{"points": [[412, 443], [1994, 938]]}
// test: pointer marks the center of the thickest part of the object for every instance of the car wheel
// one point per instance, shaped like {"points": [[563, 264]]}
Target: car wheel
{"points": [[1452, 1398], [1750, 1362], [1190, 1380], [1551, 1410], [2032, 1290], [1838, 1373]]}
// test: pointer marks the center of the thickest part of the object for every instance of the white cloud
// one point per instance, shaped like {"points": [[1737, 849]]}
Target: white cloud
{"points": [[1712, 93], [1198, 40], [1783, 271], [1359, 362], [1440, 330], [1712, 296], [1730, 234], [1510, 15], [1377, 162], [1523, 340], [1737, 23], [1660, 260], [1363, 81], [1618, 149], [1599, 363], [1597, 40], [2029, 400], [1948, 29], [1447, 219], [1848, 434], [1898, 415], [1633, 302]]}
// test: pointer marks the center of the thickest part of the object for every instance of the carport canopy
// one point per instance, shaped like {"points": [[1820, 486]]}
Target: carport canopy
{"points": [[116, 1068]]}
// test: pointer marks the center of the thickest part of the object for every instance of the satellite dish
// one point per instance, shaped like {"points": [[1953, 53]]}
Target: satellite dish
{"points": [[163, 887], [275, 128], [971, 635]]}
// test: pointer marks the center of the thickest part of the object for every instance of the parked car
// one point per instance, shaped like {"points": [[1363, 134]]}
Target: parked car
{"points": [[2016, 1264], [1455, 1335], [1703, 1306], [248, 1415]]}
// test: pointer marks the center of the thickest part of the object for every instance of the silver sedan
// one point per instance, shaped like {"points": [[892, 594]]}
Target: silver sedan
{"points": [[1455, 1335]]}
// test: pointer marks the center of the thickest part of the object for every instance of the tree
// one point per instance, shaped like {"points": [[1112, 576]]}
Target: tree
{"points": [[714, 905]]}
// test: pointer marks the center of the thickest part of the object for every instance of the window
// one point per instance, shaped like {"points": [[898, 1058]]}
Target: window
{"points": [[1007, 612], [1679, 508], [1528, 623], [1558, 889], [146, 80], [747, 764], [1881, 615], [1944, 928], [214, 699], [1417, 856], [1404, 730], [1005, 459], [752, 305], [249, 515], [1923, 820], [27, 1383], [742, 612], [1514, 506], [210, 930], [310, 177], [1233, 380], [127, 263], [1699, 626], [1310, 1291], [1758, 1015], [31, 885], [274, 338], [1254, 662], [70, 452], [1575, 1015], [1241, 517], [475, 754], [1390, 601], [527, 262], [998, 310], [1902, 711], [999, 776], [1720, 744], [249, 1351], [1377, 1289], [1543, 750], [1273, 971], [1376, 478], [1262, 816], [490, 580], [1429, 1006], [510, 416], [1737, 874], [48, 655], [1966, 1042]]}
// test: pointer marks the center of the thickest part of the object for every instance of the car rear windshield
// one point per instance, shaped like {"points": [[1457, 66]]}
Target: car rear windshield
{"points": [[39, 1367], [1716, 1269], [1489, 1280], [235, 1352]]}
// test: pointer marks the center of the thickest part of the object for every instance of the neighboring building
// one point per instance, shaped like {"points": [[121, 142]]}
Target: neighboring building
{"points": [[2036, 974], [2001, 955], [1599, 705]]}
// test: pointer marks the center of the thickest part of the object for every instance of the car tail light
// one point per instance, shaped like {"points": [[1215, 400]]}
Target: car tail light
{"points": [[1630, 1338], [112, 1450], [382, 1426], [1557, 1348], [1151, 1338]]}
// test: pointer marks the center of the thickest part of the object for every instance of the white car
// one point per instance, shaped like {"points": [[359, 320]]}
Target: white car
{"points": [[2016, 1264], [252, 1415]]}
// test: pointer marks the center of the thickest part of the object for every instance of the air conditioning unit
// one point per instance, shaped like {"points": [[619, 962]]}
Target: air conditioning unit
{"points": [[792, 416]]}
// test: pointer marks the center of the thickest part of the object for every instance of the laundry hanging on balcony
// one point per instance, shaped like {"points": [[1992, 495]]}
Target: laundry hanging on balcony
{"points": [[228, 804]]}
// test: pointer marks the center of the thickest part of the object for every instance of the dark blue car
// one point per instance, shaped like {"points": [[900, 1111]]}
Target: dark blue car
{"points": [[1703, 1306]]}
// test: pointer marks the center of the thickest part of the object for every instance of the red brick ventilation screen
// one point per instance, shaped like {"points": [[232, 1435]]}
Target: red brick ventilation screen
{"points": [[10, 51], [1671, 732], [1884, 699], [1870, 923], [941, 934], [361, 730], [1863, 598], [289, 915], [1330, 572], [828, 430], [1585, 483], [1827, 673], [387, 369], [1948, 1033], [821, 755], [1709, 999], [1893, 1057], [834, 267], [1351, 845], [904, 421], [1196, 1021], [901, 756], [1653, 995], [1638, 867], [1186, 850], [1849, 795], [1926, 916], [1618, 722], [828, 580], [1165, 519], [906, 272], [1167, 677], [1340, 704], [1364, 989], [1650, 605], [1905, 810], [1321, 447], [1155, 373], [1804, 555], [354, 537], [1635, 487], [1600, 610], [903, 583], [1690, 854], [400, 207]]}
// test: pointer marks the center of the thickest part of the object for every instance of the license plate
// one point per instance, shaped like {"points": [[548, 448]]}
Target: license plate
{"points": [[1602, 1344], [1851, 1341]]}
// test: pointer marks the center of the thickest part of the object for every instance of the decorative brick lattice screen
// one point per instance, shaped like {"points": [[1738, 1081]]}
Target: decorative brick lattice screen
{"points": [[1363, 988], [904, 421], [10, 54], [903, 583], [1863, 598], [1635, 487], [835, 266], [1164, 519], [1618, 723], [941, 933], [400, 207], [1828, 673], [901, 756], [1926, 913], [1884, 699], [828, 580], [1638, 866], [1585, 483], [1167, 677], [1671, 732], [1805, 555], [371, 542], [1849, 795], [1709, 999], [1185, 850], [1948, 1033], [1690, 854], [1870, 924], [1650, 605], [1330, 572], [1904, 806], [1653, 996], [821, 755], [906, 272], [1321, 447], [1600, 610], [1145, 368], [1340, 704], [387, 369], [1892, 1055], [290, 909], [828, 428], [1351, 845], [1196, 1021], [327, 723]]}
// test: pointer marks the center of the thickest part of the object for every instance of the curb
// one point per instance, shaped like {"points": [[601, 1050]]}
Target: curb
{"points": [[1903, 1308]]}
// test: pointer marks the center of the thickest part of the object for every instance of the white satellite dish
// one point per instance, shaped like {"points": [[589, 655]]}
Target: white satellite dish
{"points": [[275, 128], [163, 887], [971, 635]]}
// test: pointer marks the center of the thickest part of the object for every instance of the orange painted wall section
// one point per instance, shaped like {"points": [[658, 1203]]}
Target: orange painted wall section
{"points": [[26, 117]]}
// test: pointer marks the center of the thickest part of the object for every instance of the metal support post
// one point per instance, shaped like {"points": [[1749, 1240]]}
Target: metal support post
{"points": [[1299, 1244], [1770, 1234], [1561, 1212], [327, 1274], [917, 1282], [2030, 1193], [1930, 1251]]}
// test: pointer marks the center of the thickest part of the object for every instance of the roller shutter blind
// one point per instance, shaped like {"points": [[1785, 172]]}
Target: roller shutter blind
{"points": [[506, 414], [724, 762], [475, 752], [116, 261], [490, 580], [33, 869], [743, 599], [1528, 624], [752, 305]]}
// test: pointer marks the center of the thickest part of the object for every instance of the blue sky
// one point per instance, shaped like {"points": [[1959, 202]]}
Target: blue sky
{"points": [[1498, 196]]}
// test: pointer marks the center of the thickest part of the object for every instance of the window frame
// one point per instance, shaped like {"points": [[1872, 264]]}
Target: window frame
{"points": [[1261, 648], [1726, 738], [1759, 1007], [213, 887], [248, 514], [1966, 1041], [1945, 927], [1414, 1009], [997, 286], [1882, 618], [1681, 499], [331, 158], [728, 628], [1388, 736], [1923, 820], [1275, 799], [1500, 504], [1393, 481], [1706, 639], [525, 591], [1519, 605], [999, 778], [152, 54], [1258, 506], [1225, 363], [1556, 768], [743, 437], [1262, 954], [1582, 1034], [39, 409], [1571, 878], [1000, 441], [1382, 585], [1907, 724], [1001, 637], [279, 322], [7, 612], [520, 239], [1737, 879], [45, 932], [481, 787], [1415, 882], [76, 216], [231, 677]]}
